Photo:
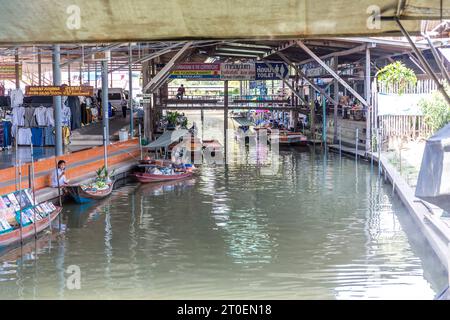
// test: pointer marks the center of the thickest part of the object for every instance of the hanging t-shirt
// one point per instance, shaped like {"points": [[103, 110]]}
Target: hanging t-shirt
{"points": [[49, 117], [24, 136], [30, 120], [16, 98], [18, 114], [65, 115], [41, 115]]}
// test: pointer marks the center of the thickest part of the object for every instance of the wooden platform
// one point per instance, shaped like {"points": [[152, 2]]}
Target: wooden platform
{"points": [[347, 150]]}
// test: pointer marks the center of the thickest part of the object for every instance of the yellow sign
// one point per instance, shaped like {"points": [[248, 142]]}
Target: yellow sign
{"points": [[59, 91], [8, 71]]}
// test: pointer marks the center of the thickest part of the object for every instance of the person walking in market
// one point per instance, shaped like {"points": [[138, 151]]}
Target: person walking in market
{"points": [[180, 92]]}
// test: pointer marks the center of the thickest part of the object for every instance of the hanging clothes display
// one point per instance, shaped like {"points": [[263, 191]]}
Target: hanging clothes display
{"points": [[18, 118], [66, 115], [40, 116], [16, 97], [29, 119], [37, 137], [75, 108], [84, 117], [49, 117], [5, 134], [49, 136], [24, 136], [66, 135]]}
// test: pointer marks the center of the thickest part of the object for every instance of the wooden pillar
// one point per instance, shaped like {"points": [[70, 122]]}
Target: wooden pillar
{"points": [[81, 74], [225, 116], [89, 73], [68, 74], [147, 109], [336, 102], [312, 124], [367, 98], [39, 67], [16, 65]]}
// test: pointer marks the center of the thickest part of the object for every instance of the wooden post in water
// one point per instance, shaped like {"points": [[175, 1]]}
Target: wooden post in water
{"points": [[356, 145], [140, 140], [20, 201], [31, 175], [225, 118]]}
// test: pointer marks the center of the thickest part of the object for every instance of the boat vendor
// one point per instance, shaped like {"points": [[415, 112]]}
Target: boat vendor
{"points": [[59, 174]]}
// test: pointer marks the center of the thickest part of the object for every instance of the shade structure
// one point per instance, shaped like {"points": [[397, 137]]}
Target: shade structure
{"points": [[433, 184], [64, 21], [167, 138]]}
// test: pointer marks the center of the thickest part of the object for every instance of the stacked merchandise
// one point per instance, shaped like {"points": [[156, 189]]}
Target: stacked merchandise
{"points": [[12, 204]]}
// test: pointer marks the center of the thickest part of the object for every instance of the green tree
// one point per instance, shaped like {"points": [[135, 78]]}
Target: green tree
{"points": [[436, 110], [397, 73]]}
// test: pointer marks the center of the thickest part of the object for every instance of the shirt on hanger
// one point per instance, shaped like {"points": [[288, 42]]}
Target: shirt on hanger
{"points": [[24, 136], [16, 98], [40, 114], [49, 117], [30, 121], [18, 114], [66, 114]]}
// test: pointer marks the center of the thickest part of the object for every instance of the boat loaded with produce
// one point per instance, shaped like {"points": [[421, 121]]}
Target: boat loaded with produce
{"points": [[100, 188], [160, 173], [22, 218]]}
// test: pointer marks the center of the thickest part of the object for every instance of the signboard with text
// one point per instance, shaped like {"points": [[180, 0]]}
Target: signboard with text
{"points": [[237, 71], [8, 71], [59, 91], [264, 72], [196, 71]]}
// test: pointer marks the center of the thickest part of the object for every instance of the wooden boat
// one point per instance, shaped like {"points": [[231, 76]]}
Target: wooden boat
{"points": [[84, 195], [290, 138], [149, 177], [14, 236], [156, 162]]}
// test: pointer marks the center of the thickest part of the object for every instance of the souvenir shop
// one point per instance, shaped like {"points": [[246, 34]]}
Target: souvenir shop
{"points": [[31, 120]]}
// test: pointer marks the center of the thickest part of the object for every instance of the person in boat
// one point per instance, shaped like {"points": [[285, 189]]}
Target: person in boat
{"points": [[60, 175]]}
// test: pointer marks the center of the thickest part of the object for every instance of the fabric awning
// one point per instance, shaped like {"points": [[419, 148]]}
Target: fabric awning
{"points": [[64, 21], [166, 139]]}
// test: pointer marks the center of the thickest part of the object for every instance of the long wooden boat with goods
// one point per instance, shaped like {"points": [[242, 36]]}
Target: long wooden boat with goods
{"points": [[149, 177], [87, 193], [286, 138], [18, 209]]}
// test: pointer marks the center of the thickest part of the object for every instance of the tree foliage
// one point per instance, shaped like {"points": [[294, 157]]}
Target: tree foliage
{"points": [[436, 110], [397, 73]]}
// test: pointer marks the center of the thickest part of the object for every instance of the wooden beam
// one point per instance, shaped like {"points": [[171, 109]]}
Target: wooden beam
{"points": [[334, 74]]}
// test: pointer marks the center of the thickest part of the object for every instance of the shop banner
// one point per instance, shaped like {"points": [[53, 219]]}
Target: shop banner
{"points": [[196, 71], [263, 72], [59, 91], [237, 71], [400, 105], [8, 71]]}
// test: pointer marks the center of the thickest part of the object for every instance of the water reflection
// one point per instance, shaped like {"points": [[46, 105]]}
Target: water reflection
{"points": [[319, 227]]}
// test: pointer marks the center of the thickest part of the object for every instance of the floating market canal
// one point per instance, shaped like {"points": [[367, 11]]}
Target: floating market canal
{"points": [[321, 228]]}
